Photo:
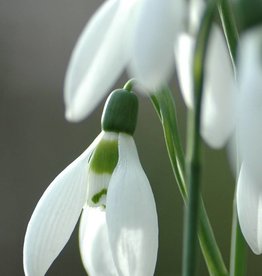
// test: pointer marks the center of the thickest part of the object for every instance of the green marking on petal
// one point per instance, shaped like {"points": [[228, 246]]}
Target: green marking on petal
{"points": [[105, 157], [97, 196]]}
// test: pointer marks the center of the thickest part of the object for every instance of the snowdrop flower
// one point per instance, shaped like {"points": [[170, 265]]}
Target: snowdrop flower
{"points": [[218, 111], [118, 228], [249, 130], [138, 34]]}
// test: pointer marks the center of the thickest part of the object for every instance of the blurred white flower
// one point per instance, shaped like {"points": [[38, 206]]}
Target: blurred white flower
{"points": [[118, 228], [249, 131], [196, 9], [138, 34], [218, 106]]}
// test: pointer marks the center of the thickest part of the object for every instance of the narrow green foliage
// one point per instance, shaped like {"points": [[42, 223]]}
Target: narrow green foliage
{"points": [[164, 105], [105, 157], [192, 214], [249, 14], [238, 247], [230, 27]]}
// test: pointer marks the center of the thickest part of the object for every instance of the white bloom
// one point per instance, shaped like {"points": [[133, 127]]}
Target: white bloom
{"points": [[218, 112], [249, 207], [138, 34], [152, 56], [118, 228], [249, 130], [196, 10]]}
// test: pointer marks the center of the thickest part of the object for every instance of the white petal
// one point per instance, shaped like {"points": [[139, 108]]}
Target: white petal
{"points": [[249, 207], [157, 26], [98, 182], [218, 108], [250, 99], [94, 244], [131, 214], [98, 58], [56, 215], [86, 46], [218, 114], [184, 51], [195, 14]]}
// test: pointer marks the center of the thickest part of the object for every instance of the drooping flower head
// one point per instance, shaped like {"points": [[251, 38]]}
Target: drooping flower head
{"points": [[122, 34], [118, 228]]}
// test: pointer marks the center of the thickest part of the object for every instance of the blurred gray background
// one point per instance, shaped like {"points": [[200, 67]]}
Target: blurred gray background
{"points": [[36, 142]]}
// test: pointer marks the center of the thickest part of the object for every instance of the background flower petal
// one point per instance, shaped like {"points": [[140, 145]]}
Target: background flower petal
{"points": [[250, 99], [249, 207], [218, 112], [184, 50], [156, 28], [131, 214], [56, 215], [98, 59], [94, 244], [86, 48], [196, 9], [219, 95]]}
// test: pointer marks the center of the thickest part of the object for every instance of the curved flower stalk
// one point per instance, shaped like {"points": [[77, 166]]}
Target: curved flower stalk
{"points": [[218, 111], [249, 130], [121, 34], [118, 228]]}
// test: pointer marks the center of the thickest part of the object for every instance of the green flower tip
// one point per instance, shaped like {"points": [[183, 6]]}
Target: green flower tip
{"points": [[120, 112]]}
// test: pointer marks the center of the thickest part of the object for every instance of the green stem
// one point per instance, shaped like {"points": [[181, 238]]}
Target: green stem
{"points": [[190, 253], [209, 247], [229, 26], [164, 104], [191, 221], [238, 244], [238, 248], [129, 85], [238, 254]]}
